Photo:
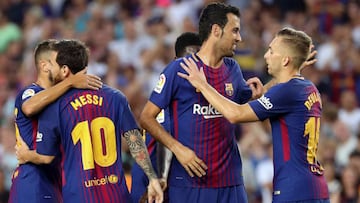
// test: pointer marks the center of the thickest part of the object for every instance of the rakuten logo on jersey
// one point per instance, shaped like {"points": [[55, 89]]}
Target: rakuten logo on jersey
{"points": [[207, 111], [265, 102]]}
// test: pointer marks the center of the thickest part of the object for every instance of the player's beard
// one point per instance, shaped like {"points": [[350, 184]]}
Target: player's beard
{"points": [[52, 79], [228, 53]]}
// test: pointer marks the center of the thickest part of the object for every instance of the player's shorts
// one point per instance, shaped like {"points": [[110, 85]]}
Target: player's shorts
{"points": [[233, 194], [29, 185], [307, 201]]}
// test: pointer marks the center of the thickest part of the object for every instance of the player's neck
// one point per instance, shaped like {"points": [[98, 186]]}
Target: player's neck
{"points": [[287, 76], [44, 83], [209, 56]]}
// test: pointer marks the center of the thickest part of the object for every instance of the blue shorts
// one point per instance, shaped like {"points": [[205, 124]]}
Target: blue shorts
{"points": [[29, 185], [233, 194]]}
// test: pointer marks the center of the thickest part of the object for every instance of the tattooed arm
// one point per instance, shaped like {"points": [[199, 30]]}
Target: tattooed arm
{"points": [[139, 152]]}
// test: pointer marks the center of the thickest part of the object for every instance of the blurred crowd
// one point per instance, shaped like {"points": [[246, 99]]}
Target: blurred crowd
{"points": [[131, 41]]}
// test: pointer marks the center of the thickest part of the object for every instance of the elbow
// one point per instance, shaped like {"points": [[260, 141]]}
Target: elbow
{"points": [[142, 120], [232, 119], [28, 110]]}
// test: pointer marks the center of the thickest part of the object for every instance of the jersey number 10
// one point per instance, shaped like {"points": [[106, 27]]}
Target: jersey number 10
{"points": [[98, 142]]}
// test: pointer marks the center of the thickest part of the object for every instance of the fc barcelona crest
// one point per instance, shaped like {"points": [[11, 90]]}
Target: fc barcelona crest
{"points": [[229, 89]]}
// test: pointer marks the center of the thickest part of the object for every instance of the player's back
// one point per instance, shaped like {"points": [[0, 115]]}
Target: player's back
{"points": [[31, 181], [295, 129], [90, 125]]}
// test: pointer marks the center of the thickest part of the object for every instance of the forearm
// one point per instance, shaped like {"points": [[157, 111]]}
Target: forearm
{"points": [[33, 157], [39, 101], [225, 106], [233, 112], [151, 125], [139, 152]]}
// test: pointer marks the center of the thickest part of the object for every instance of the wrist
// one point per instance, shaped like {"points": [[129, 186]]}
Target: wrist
{"points": [[202, 86], [68, 82]]}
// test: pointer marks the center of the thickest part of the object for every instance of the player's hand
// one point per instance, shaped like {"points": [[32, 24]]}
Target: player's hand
{"points": [[144, 196], [20, 150], [155, 192], [163, 183], [194, 75], [194, 57], [311, 58], [256, 87], [81, 80], [191, 162]]}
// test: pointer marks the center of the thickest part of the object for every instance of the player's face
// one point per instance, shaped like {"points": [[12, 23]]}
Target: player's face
{"points": [[230, 36], [273, 57], [54, 69]]}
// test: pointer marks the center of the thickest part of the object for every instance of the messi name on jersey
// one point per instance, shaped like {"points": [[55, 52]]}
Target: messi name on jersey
{"points": [[86, 99]]}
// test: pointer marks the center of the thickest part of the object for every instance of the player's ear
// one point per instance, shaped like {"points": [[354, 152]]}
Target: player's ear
{"points": [[43, 66], [65, 70], [286, 60], [216, 30]]}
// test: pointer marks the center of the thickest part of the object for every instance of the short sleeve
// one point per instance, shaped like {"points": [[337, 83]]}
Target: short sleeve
{"points": [[277, 101], [162, 94], [48, 137], [127, 118]]}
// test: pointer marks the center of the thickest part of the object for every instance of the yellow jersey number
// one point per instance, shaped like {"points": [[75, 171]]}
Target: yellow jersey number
{"points": [[312, 129], [89, 135]]}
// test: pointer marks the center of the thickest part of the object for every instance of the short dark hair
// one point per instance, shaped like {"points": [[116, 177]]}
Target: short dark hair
{"points": [[298, 43], [184, 40], [214, 13], [72, 53], [43, 47]]}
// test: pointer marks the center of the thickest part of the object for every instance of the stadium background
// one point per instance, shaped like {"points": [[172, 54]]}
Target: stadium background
{"points": [[131, 41]]}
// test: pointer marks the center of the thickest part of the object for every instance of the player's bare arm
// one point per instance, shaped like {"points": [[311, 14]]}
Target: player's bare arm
{"points": [[232, 111], [188, 159], [139, 151], [24, 154], [36, 103]]}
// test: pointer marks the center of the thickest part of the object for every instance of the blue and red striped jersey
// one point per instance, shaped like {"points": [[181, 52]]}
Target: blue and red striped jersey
{"points": [[196, 124], [86, 127], [30, 181], [294, 110]]}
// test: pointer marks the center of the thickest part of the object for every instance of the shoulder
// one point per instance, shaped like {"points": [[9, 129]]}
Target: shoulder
{"points": [[232, 65], [29, 91], [230, 62], [110, 91]]}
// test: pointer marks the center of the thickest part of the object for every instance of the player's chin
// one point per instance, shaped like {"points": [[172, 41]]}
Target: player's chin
{"points": [[230, 54]]}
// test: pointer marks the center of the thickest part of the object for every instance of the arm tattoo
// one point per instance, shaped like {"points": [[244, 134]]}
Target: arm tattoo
{"points": [[139, 152]]}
